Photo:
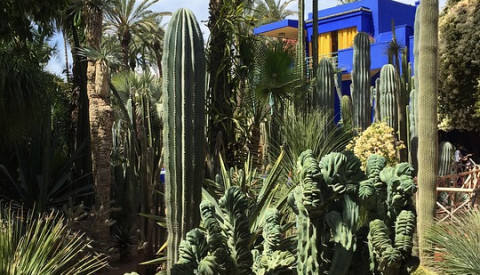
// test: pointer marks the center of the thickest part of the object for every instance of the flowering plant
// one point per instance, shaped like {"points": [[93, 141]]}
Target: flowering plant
{"points": [[378, 139]]}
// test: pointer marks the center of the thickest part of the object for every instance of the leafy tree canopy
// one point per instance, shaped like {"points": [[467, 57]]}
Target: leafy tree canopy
{"points": [[459, 66], [16, 16]]}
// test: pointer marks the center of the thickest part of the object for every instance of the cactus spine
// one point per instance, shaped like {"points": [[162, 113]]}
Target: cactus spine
{"points": [[446, 158], [360, 89], [388, 91], [427, 120], [184, 126]]}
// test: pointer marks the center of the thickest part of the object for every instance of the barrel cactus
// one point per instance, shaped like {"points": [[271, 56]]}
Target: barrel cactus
{"points": [[184, 126]]}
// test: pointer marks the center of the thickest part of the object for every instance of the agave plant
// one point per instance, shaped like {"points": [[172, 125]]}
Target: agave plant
{"points": [[34, 244], [457, 244]]}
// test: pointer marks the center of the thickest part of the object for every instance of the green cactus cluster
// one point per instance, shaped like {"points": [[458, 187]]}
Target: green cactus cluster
{"points": [[322, 204], [387, 197], [346, 109]]}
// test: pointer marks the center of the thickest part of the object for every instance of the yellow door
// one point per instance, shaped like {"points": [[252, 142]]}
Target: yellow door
{"points": [[324, 45], [345, 37]]}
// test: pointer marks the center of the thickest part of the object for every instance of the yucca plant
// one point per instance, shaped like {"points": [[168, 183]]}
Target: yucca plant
{"points": [[32, 244], [457, 244], [310, 132]]}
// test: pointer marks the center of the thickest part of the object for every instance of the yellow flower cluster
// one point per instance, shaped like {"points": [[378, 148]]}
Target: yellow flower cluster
{"points": [[377, 139]]}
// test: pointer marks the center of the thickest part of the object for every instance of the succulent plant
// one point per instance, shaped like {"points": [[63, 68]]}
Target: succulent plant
{"points": [[184, 126], [360, 88], [388, 91]]}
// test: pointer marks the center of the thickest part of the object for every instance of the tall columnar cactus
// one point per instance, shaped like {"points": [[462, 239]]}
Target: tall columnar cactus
{"points": [[413, 125], [324, 96], [346, 112], [388, 91], [446, 159], [427, 120], [360, 89], [184, 126]]}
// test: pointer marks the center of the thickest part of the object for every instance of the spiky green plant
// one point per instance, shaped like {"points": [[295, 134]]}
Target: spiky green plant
{"points": [[346, 111], [34, 244], [184, 126], [388, 92], [446, 159], [322, 186], [457, 245], [360, 88]]}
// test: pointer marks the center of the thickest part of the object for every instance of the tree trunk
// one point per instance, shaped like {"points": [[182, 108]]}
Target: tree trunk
{"points": [[427, 122], [101, 120], [315, 40]]}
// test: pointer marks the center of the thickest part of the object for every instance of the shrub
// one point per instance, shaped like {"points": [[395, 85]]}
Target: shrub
{"points": [[377, 139], [32, 244], [457, 243]]}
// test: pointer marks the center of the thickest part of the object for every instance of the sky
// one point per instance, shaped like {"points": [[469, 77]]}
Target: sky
{"points": [[200, 9]]}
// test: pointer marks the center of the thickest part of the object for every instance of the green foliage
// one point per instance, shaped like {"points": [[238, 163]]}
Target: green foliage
{"points": [[42, 244], [268, 11], [457, 244], [310, 130], [459, 97], [184, 128]]}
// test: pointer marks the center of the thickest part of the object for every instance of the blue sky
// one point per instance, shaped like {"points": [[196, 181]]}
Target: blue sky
{"points": [[200, 9]]}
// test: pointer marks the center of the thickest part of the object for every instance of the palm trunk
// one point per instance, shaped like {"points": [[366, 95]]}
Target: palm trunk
{"points": [[101, 120], [427, 122], [315, 39]]}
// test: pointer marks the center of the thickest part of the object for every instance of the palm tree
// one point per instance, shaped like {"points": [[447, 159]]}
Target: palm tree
{"points": [[267, 11], [100, 112], [127, 20]]}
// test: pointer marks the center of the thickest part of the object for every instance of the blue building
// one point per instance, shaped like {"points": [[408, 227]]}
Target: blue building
{"points": [[338, 25]]}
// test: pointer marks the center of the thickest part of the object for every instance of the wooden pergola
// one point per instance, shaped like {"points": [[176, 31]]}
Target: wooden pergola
{"points": [[459, 191]]}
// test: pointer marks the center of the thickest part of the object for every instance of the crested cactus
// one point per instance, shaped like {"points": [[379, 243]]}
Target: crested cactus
{"points": [[324, 96], [184, 126], [273, 260], [346, 112], [446, 160], [323, 185], [388, 91], [360, 88], [223, 247], [387, 197]]}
